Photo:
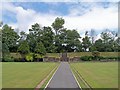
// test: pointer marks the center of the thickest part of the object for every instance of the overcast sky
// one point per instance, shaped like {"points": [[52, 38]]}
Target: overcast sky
{"points": [[83, 15]]}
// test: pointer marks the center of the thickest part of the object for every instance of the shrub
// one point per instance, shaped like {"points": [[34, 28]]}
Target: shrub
{"points": [[7, 58], [86, 58], [29, 57], [110, 58], [118, 58], [17, 59]]}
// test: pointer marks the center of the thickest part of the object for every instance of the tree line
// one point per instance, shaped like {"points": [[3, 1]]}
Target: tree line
{"points": [[55, 39]]}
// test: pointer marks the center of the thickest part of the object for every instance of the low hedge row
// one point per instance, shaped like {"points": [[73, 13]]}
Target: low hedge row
{"points": [[27, 58], [92, 58], [33, 57]]}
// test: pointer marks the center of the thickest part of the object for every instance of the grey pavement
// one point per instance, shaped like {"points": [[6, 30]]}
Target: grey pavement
{"points": [[63, 79]]}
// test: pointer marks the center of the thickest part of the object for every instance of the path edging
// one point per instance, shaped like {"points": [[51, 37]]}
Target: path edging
{"points": [[51, 78], [76, 79], [82, 79], [40, 84]]}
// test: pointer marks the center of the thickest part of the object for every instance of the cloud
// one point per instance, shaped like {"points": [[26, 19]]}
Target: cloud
{"points": [[97, 18], [61, 0]]}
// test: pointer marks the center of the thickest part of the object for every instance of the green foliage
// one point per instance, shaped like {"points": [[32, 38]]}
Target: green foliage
{"points": [[47, 39], [7, 58], [5, 48], [55, 39], [29, 57], [99, 45], [23, 35], [110, 58], [72, 40], [23, 48], [34, 36], [6, 54], [105, 36], [40, 49], [9, 37], [86, 58], [58, 24], [108, 41], [86, 43]]}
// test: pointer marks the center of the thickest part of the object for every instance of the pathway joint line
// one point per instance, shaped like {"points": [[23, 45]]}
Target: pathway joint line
{"points": [[51, 77]]}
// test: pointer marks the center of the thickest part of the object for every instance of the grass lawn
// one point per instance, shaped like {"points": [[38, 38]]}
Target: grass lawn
{"points": [[26, 74], [98, 74]]}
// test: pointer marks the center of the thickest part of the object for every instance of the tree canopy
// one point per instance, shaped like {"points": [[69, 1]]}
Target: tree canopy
{"points": [[56, 38]]}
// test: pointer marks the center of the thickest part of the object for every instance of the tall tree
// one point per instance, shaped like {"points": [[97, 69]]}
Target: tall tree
{"points": [[47, 39], [10, 38], [58, 24], [40, 49], [86, 42], [34, 36], [108, 40], [23, 47], [99, 46], [72, 40]]}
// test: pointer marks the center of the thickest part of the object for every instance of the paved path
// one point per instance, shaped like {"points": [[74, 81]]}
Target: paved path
{"points": [[63, 79]]}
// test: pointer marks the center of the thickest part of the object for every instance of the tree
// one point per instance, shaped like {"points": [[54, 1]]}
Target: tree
{"points": [[86, 42], [117, 45], [10, 38], [24, 47], [72, 40], [40, 49], [47, 39], [23, 35], [108, 40], [6, 53], [58, 24], [34, 36], [99, 46]]}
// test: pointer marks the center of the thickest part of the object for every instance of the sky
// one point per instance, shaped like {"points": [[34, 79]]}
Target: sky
{"points": [[82, 15]]}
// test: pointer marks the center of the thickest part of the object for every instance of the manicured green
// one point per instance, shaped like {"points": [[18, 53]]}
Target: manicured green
{"points": [[98, 74], [25, 75]]}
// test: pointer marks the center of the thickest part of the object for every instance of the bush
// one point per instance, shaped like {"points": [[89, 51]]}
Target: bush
{"points": [[86, 58], [110, 58], [118, 58], [17, 59], [7, 58], [29, 57]]}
